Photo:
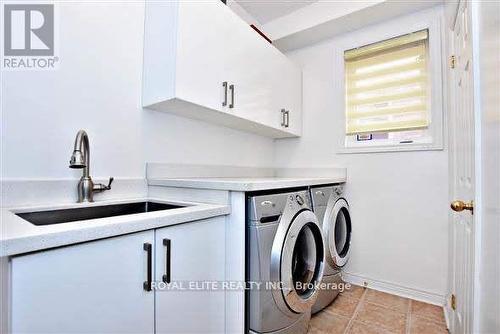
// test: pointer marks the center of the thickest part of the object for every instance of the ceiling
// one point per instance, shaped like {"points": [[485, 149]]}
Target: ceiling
{"points": [[268, 10]]}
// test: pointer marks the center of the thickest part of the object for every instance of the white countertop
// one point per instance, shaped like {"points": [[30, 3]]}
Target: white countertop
{"points": [[246, 184], [19, 236]]}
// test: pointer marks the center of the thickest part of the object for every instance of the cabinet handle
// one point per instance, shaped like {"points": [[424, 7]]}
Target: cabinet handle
{"points": [[224, 85], [283, 123], [287, 114], [149, 251], [231, 88], [167, 243]]}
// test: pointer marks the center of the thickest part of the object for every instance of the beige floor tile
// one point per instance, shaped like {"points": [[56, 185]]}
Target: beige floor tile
{"points": [[429, 311], [362, 328], [380, 316], [378, 313], [342, 305], [325, 322], [419, 325], [355, 291], [312, 330], [393, 302]]}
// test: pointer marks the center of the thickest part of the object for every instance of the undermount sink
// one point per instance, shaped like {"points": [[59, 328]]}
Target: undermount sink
{"points": [[93, 212]]}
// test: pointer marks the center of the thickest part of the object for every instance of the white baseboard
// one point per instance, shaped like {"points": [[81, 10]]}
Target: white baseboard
{"points": [[447, 315], [395, 289]]}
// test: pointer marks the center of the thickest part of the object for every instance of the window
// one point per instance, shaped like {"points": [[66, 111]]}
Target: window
{"points": [[388, 94]]}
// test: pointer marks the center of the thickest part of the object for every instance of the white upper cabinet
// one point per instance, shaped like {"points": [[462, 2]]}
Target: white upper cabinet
{"points": [[202, 61]]}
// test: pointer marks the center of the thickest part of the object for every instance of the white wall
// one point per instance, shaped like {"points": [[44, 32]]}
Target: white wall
{"points": [[399, 200], [97, 87]]}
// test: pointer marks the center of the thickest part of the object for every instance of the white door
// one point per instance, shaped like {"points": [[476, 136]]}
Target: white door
{"points": [[486, 48], [186, 256], [462, 176], [94, 287]]}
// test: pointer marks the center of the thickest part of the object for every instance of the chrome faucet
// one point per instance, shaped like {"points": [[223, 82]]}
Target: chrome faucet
{"points": [[80, 159]]}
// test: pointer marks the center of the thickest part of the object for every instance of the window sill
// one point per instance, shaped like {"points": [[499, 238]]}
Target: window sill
{"points": [[381, 149]]}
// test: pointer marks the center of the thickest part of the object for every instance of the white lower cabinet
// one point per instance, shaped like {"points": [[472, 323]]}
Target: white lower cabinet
{"points": [[101, 286], [94, 287], [197, 256]]}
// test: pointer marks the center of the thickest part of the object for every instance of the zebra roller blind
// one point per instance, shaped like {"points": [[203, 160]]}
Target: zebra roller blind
{"points": [[387, 85]]}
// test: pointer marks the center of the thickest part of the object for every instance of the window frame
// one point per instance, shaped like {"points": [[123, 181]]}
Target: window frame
{"points": [[383, 31]]}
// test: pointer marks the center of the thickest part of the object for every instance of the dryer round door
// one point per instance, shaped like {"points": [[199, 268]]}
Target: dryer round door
{"points": [[337, 231], [297, 263]]}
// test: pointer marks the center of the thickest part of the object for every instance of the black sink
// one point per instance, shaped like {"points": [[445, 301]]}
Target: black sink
{"points": [[92, 212]]}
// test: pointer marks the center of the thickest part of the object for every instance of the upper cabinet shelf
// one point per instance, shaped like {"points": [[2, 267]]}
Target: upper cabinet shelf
{"points": [[202, 61]]}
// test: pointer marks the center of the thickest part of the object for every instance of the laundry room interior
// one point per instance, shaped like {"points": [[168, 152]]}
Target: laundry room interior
{"points": [[284, 167]]}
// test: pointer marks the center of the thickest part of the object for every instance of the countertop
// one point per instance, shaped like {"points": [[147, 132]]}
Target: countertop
{"points": [[246, 184], [19, 236]]}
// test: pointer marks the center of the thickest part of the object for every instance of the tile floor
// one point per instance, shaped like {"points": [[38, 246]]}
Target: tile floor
{"points": [[365, 311]]}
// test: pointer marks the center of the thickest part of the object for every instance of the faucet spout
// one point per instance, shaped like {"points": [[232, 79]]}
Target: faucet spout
{"points": [[81, 153]]}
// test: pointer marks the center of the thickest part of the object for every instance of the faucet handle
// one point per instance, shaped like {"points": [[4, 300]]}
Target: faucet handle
{"points": [[108, 187], [98, 187]]}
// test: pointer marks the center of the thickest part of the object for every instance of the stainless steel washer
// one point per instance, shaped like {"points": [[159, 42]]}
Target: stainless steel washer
{"points": [[332, 210], [286, 260]]}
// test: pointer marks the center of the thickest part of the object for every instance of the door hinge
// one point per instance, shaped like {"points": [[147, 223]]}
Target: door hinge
{"points": [[452, 61], [453, 302]]}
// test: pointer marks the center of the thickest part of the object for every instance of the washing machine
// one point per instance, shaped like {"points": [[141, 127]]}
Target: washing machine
{"points": [[285, 262], [332, 210]]}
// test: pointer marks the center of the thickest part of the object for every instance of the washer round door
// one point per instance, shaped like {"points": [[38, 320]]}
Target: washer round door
{"points": [[297, 263], [337, 231]]}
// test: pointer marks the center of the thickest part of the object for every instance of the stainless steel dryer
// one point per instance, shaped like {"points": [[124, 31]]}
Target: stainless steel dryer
{"points": [[332, 211], [286, 258]]}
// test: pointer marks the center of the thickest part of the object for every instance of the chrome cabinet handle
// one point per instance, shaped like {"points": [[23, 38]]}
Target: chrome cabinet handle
{"points": [[231, 88], [224, 85], [168, 247], [149, 251], [287, 114], [283, 112]]}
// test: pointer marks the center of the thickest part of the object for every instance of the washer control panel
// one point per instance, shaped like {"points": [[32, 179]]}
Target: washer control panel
{"points": [[295, 202], [261, 206]]}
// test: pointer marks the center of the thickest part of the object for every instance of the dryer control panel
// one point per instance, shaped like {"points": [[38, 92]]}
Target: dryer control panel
{"points": [[321, 195]]}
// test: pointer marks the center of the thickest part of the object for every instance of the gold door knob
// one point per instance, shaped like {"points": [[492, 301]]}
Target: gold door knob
{"points": [[459, 206]]}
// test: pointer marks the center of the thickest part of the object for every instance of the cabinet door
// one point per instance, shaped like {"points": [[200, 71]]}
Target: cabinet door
{"points": [[250, 66], [293, 79], [201, 52], [196, 252], [94, 287], [287, 88]]}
